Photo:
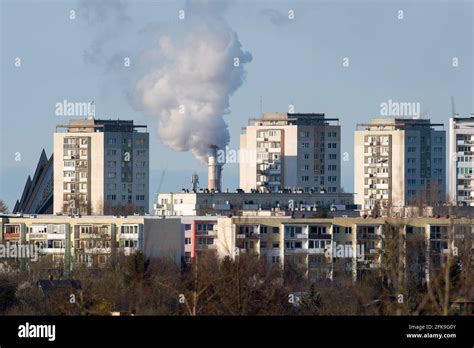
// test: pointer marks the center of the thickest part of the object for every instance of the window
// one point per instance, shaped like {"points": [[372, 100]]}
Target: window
{"points": [[111, 141], [305, 145], [332, 145], [305, 178], [111, 197], [276, 230], [411, 149], [111, 152], [111, 186], [141, 152], [263, 229], [140, 141], [111, 175], [332, 156], [187, 241], [275, 259], [438, 149], [276, 245], [140, 164], [140, 175], [332, 167], [348, 230], [306, 156], [111, 163], [336, 229], [140, 197], [263, 245]]}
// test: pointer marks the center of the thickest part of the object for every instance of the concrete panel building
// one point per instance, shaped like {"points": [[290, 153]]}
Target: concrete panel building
{"points": [[399, 161], [94, 240], [291, 150], [461, 160], [101, 167], [218, 203]]}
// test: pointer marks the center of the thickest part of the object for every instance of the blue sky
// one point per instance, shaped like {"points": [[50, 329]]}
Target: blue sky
{"points": [[295, 62]]}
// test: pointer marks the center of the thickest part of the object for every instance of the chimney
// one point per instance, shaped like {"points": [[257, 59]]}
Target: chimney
{"points": [[214, 170]]}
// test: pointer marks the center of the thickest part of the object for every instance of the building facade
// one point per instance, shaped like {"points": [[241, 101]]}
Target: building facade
{"points": [[291, 150], [101, 167], [37, 196], [93, 240], [461, 160], [238, 203], [399, 161]]}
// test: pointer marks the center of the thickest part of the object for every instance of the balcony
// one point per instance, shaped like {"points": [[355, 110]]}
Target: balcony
{"points": [[129, 236], [296, 251], [11, 235], [368, 236], [319, 236], [250, 206], [316, 251], [51, 250]]}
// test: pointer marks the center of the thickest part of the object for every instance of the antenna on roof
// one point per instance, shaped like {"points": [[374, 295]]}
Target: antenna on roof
{"points": [[91, 111], [453, 107], [261, 105]]}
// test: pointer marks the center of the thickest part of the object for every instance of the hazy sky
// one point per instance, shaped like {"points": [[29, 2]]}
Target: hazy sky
{"points": [[297, 61]]}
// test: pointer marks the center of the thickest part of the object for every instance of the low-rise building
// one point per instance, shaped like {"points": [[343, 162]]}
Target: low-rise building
{"points": [[245, 203], [93, 240]]}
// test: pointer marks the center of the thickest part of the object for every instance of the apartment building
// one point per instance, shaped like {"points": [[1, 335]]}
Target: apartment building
{"points": [[93, 240], [217, 203], [398, 162], [461, 160], [288, 150], [101, 167], [354, 247], [200, 233]]}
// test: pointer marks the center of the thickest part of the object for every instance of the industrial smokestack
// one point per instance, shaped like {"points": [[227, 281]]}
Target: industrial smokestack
{"points": [[214, 173]]}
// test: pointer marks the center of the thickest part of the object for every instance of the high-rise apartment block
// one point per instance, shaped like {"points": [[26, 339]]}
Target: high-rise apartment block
{"points": [[461, 160], [399, 161], [101, 167], [291, 150]]}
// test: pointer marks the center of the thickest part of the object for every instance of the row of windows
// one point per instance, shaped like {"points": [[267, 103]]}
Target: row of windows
{"points": [[138, 152], [124, 197], [305, 134], [126, 141], [113, 175], [140, 187]]}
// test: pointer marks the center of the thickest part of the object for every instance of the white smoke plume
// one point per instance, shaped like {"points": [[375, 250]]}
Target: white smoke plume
{"points": [[188, 92]]}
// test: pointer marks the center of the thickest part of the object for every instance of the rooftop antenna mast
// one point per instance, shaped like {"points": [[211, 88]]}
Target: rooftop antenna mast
{"points": [[261, 105], [453, 107]]}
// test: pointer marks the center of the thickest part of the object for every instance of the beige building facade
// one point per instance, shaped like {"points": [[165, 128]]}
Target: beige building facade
{"points": [[291, 150], [101, 166], [399, 161]]}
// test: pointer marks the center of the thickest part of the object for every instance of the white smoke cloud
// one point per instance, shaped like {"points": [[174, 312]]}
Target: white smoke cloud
{"points": [[188, 93]]}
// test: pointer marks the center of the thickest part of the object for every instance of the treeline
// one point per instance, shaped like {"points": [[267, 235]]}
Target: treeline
{"points": [[247, 285]]}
